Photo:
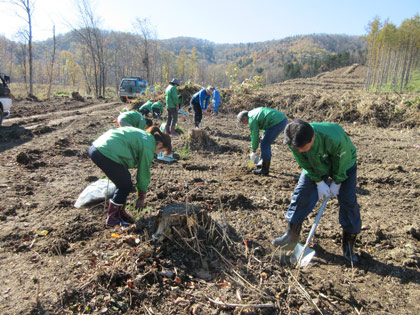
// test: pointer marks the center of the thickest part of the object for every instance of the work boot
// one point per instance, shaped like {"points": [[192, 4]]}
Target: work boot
{"points": [[114, 217], [265, 168], [289, 240], [347, 246], [126, 216]]}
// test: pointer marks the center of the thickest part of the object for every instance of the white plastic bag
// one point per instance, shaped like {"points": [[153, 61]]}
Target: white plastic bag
{"points": [[96, 192]]}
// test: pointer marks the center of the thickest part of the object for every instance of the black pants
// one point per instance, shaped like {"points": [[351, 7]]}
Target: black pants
{"points": [[116, 173], [198, 112], [156, 112], [144, 112]]}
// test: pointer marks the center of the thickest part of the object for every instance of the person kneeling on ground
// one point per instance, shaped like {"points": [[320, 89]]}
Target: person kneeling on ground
{"points": [[272, 122], [117, 151], [133, 118], [322, 150]]}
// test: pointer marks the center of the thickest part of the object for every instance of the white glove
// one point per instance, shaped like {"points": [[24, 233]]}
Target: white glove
{"points": [[323, 190], [335, 189], [253, 156]]}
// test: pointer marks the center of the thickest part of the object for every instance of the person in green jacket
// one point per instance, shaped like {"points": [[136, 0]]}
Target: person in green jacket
{"points": [[133, 118], [157, 109], [117, 151], [323, 151], [272, 122], [172, 101], [146, 108]]}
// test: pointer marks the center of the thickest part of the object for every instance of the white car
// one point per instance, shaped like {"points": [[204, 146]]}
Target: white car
{"points": [[5, 97]]}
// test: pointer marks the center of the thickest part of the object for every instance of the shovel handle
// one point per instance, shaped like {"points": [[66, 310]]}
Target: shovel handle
{"points": [[312, 232]]}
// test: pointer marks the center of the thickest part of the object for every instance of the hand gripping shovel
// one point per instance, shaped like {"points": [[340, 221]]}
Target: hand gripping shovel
{"points": [[303, 253]]}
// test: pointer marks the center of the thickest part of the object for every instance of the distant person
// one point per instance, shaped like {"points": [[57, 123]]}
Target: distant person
{"points": [[199, 102], [146, 108], [322, 150], [133, 118], [172, 101], [216, 100], [121, 149], [271, 122], [157, 109]]}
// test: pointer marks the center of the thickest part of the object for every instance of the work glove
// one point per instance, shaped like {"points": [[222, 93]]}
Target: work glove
{"points": [[140, 200], [335, 189], [323, 190], [253, 156]]}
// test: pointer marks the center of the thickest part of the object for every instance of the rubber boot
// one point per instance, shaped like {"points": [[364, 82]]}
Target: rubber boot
{"points": [[173, 133], [265, 168], [114, 217], [167, 129], [126, 216], [347, 246], [289, 240]]}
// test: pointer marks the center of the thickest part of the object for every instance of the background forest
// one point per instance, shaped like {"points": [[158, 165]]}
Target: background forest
{"points": [[93, 61]]}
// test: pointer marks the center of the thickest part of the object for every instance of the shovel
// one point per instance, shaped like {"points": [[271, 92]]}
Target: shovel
{"points": [[303, 253]]}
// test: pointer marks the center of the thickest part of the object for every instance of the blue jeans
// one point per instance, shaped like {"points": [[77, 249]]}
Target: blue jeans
{"points": [[305, 196], [270, 136], [117, 173]]}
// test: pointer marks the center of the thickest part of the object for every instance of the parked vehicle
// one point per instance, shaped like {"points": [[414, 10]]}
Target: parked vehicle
{"points": [[131, 87], [5, 97]]}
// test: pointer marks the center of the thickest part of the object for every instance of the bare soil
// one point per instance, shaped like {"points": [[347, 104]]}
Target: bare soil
{"points": [[57, 259]]}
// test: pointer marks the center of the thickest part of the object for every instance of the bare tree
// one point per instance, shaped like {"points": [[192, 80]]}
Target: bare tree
{"points": [[28, 7], [147, 45], [91, 36], [51, 67]]}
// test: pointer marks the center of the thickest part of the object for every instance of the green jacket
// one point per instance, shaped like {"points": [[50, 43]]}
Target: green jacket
{"points": [[134, 118], [332, 153], [130, 147], [158, 105], [262, 118], [171, 94], [147, 105]]}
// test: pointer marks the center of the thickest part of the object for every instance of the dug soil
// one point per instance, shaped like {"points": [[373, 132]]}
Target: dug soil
{"points": [[58, 259]]}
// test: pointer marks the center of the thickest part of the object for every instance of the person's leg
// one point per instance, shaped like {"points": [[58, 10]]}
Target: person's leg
{"points": [[304, 199], [197, 114], [349, 214], [169, 121], [270, 136], [174, 119], [117, 173]]}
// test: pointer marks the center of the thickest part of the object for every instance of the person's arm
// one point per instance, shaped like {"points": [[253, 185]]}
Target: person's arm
{"points": [[255, 135], [174, 96], [202, 98], [341, 158]]}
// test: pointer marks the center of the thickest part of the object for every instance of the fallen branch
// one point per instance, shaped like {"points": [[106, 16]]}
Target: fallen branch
{"points": [[269, 305]]}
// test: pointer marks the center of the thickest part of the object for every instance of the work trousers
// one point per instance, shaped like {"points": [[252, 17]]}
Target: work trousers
{"points": [[270, 136], [305, 197], [198, 113], [116, 173], [172, 118]]}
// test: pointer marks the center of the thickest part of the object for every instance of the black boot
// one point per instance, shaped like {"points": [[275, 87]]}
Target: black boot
{"points": [[347, 246], [265, 168], [289, 240]]}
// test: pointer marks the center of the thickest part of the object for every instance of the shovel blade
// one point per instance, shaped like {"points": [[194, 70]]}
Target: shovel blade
{"points": [[307, 255]]}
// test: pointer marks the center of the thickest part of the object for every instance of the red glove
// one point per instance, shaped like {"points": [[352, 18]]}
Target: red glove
{"points": [[140, 200]]}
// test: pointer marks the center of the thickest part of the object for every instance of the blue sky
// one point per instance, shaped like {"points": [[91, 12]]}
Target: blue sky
{"points": [[228, 21]]}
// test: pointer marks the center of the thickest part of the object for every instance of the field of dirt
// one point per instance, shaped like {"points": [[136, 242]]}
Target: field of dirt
{"points": [[58, 259]]}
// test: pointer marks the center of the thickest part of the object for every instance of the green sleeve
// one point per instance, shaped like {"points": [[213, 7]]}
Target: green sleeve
{"points": [[255, 134], [304, 163], [174, 96], [143, 172], [341, 158]]}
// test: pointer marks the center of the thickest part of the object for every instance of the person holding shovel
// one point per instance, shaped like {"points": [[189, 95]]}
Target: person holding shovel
{"points": [[172, 102], [323, 151], [117, 151], [133, 118], [272, 122], [199, 102]]}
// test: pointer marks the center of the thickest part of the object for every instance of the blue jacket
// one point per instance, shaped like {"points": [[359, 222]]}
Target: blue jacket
{"points": [[216, 100], [201, 98]]}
